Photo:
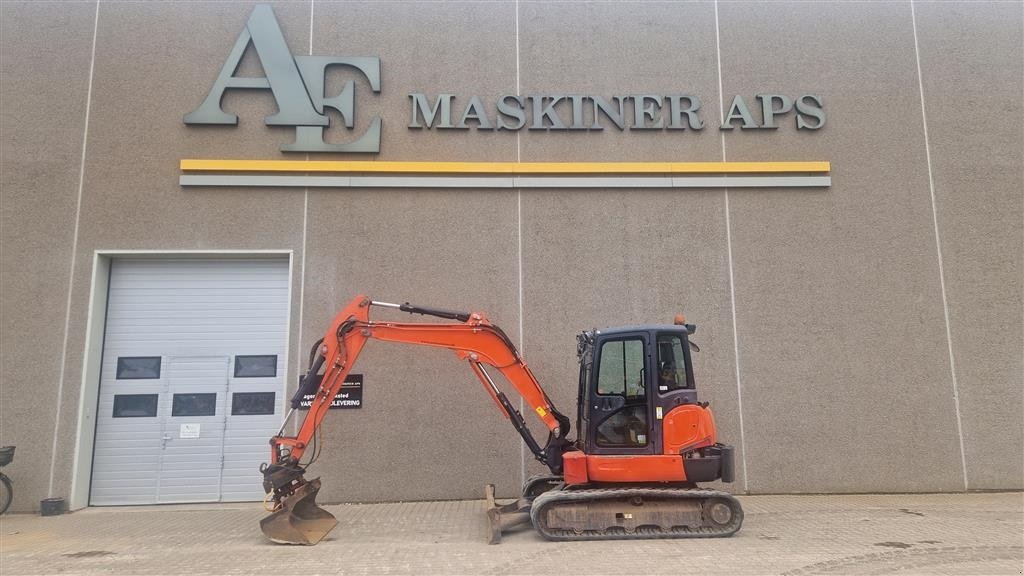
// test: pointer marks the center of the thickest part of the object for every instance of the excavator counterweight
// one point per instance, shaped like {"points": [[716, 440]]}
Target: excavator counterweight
{"points": [[643, 440]]}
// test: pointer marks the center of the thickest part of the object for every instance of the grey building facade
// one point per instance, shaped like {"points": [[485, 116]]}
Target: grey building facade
{"points": [[862, 336]]}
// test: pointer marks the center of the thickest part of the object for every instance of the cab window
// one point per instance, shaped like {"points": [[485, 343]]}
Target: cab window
{"points": [[626, 428], [671, 363], [621, 369]]}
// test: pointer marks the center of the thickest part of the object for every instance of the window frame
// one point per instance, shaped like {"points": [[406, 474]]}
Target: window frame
{"points": [[273, 403], [237, 366], [687, 365], [156, 406], [159, 368], [174, 404], [643, 367]]}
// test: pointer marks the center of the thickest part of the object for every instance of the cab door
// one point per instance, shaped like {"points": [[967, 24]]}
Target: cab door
{"points": [[620, 419]]}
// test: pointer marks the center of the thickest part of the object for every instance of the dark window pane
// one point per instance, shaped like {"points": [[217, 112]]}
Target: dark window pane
{"points": [[621, 368], [194, 405], [135, 405], [626, 428], [252, 403], [138, 368], [256, 366], [671, 363]]}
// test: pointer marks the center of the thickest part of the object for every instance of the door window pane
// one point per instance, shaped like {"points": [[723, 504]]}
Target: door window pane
{"points": [[138, 367], [625, 428], [135, 405], [621, 369], [252, 403], [256, 366], [194, 405]]}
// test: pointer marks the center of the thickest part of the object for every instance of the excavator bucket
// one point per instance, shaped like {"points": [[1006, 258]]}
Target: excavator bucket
{"points": [[299, 520]]}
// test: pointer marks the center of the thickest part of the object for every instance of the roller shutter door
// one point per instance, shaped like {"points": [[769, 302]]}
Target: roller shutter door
{"points": [[192, 381]]}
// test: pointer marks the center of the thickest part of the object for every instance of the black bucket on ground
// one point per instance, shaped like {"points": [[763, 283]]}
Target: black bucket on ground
{"points": [[298, 520], [52, 507]]}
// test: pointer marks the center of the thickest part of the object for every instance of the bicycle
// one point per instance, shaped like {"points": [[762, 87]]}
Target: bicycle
{"points": [[6, 488]]}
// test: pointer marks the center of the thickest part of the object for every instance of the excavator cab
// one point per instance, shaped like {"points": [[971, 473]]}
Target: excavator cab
{"points": [[630, 378]]}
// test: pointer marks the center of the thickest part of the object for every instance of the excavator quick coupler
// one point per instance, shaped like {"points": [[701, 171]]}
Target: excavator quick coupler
{"points": [[297, 519]]}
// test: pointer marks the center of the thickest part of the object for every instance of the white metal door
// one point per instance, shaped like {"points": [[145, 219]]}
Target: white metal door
{"points": [[192, 379], [193, 441]]}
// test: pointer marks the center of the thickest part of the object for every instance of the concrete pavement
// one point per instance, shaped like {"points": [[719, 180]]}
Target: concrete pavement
{"points": [[790, 535]]}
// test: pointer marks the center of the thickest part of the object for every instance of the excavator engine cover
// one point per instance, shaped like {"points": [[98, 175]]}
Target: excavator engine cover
{"points": [[298, 520]]}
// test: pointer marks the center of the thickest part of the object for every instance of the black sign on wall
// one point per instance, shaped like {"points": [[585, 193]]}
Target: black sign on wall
{"points": [[350, 396]]}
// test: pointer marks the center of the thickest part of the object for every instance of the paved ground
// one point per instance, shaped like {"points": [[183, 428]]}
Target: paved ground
{"points": [[792, 535]]}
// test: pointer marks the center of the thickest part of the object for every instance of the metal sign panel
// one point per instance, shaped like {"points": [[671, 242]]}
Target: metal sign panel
{"points": [[349, 397], [297, 84]]}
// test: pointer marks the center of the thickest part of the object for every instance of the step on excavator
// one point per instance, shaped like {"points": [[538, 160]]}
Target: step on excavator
{"points": [[643, 440]]}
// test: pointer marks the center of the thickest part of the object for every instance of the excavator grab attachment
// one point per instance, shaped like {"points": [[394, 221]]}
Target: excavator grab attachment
{"points": [[297, 519]]}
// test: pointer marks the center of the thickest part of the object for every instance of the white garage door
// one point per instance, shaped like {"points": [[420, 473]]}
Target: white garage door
{"points": [[192, 379]]}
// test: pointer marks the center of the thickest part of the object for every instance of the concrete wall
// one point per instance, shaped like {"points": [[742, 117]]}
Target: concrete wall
{"points": [[44, 76], [864, 337]]}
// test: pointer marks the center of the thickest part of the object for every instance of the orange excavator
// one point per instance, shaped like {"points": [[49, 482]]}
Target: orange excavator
{"points": [[643, 439]]}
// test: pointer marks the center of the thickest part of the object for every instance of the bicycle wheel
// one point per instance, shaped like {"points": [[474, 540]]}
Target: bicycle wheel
{"points": [[6, 493]]}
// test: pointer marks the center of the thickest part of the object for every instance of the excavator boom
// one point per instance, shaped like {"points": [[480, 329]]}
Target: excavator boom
{"points": [[475, 340]]}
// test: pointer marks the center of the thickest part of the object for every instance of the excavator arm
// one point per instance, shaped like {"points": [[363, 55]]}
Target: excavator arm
{"points": [[473, 339]]}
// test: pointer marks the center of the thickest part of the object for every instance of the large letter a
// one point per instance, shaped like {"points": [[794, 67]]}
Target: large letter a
{"points": [[282, 78]]}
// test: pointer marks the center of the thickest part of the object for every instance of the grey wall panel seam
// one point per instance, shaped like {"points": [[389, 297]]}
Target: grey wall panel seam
{"points": [[728, 250], [74, 254], [938, 249], [519, 253], [302, 266]]}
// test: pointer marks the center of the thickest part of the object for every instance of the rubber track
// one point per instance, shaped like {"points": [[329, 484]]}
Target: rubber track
{"points": [[548, 499], [540, 479]]}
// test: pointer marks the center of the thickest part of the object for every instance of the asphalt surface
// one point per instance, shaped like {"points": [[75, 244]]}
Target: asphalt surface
{"points": [[789, 535]]}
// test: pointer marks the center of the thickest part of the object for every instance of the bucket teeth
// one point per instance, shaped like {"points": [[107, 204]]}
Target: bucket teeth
{"points": [[299, 520]]}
